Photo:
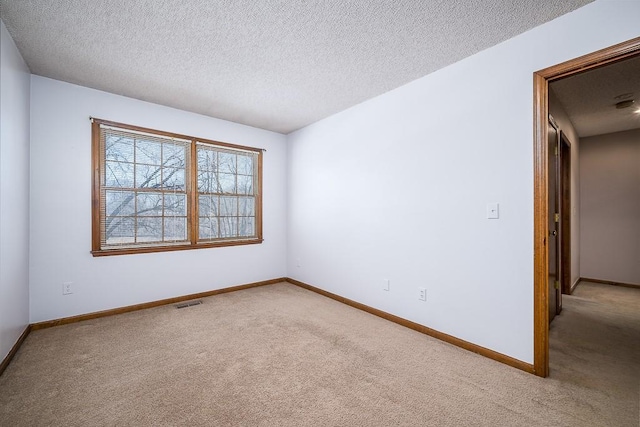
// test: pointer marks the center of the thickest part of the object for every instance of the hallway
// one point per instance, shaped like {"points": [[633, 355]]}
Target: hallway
{"points": [[594, 344]]}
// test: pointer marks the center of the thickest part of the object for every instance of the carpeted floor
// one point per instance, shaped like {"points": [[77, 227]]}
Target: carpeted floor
{"points": [[282, 356]]}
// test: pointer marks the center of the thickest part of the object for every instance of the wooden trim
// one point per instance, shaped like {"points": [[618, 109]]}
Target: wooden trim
{"points": [[592, 60], [541, 81], [540, 228], [95, 189], [259, 199], [483, 351], [14, 349], [610, 282], [574, 285], [174, 135], [169, 248], [193, 226], [151, 304], [565, 212], [191, 191]]}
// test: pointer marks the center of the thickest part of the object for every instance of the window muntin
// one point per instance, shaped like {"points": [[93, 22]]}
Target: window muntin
{"points": [[158, 191]]}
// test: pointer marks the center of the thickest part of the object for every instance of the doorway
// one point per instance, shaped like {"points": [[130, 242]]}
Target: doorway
{"points": [[559, 216], [542, 228]]}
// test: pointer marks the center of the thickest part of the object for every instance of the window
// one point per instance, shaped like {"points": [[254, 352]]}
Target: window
{"points": [[158, 191]]}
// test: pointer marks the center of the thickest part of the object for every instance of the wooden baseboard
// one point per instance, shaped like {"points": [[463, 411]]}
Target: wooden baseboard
{"points": [[609, 282], [127, 309], [14, 349], [574, 285], [502, 358]]}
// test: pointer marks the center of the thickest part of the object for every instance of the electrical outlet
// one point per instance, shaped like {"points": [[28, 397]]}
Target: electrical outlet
{"points": [[386, 285], [422, 294], [67, 288]]}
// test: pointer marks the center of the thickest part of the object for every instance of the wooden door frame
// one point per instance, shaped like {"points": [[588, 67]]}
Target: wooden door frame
{"points": [[553, 140], [565, 213], [541, 81]]}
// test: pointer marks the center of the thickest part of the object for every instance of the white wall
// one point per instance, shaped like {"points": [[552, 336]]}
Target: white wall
{"points": [[61, 209], [562, 120], [14, 193], [610, 207], [396, 187]]}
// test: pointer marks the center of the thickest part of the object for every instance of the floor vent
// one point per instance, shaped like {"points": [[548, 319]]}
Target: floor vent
{"points": [[188, 304]]}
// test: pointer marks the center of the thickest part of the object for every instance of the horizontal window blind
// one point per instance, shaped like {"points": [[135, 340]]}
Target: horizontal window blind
{"points": [[144, 188]]}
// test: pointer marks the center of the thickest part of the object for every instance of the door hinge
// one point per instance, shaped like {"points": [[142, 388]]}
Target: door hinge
{"points": [[555, 150], [556, 284], [556, 217]]}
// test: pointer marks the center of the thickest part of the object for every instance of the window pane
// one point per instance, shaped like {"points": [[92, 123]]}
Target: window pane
{"points": [[148, 176], [175, 228], [228, 206], [149, 229], [173, 179], [119, 203], [175, 205], [208, 205], [119, 230], [174, 155], [228, 226], [245, 184], [206, 159], [227, 183], [246, 206], [207, 182], [226, 162], [118, 148], [119, 174], [149, 204], [208, 228], [246, 227], [245, 165], [148, 152]]}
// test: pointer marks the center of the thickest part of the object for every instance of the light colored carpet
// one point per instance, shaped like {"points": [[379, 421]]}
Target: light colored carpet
{"points": [[282, 356]]}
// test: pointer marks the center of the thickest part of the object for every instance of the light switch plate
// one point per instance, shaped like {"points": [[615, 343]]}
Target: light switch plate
{"points": [[493, 210]]}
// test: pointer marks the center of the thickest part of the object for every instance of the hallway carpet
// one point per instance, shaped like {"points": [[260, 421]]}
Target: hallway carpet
{"points": [[280, 355]]}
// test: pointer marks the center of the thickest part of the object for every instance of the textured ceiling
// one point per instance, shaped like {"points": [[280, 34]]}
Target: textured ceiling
{"points": [[590, 100], [277, 65]]}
